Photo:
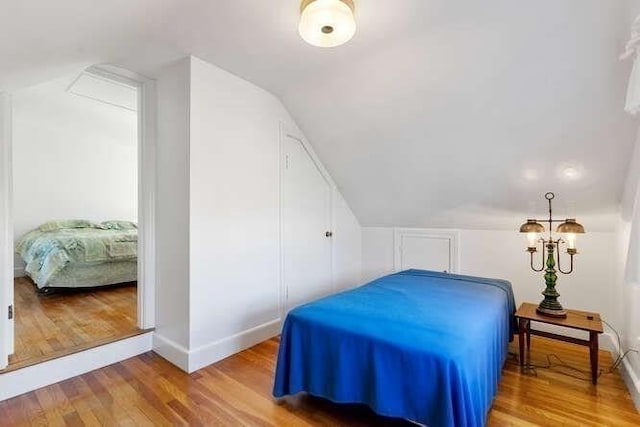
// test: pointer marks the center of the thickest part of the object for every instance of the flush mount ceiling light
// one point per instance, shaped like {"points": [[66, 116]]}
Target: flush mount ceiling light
{"points": [[327, 23]]}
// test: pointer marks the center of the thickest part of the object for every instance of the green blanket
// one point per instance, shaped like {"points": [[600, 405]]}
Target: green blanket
{"points": [[47, 252]]}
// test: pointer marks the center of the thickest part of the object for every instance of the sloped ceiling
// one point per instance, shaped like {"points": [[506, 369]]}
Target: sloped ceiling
{"points": [[438, 113]]}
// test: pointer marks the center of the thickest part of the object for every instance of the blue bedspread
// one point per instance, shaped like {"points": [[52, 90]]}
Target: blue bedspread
{"points": [[420, 345]]}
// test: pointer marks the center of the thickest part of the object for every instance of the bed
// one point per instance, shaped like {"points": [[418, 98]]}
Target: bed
{"points": [[420, 345], [80, 253]]}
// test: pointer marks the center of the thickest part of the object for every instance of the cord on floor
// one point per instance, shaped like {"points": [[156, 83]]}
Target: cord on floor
{"points": [[531, 369]]}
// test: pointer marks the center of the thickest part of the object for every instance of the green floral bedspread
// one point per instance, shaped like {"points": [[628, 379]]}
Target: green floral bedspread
{"points": [[46, 253]]}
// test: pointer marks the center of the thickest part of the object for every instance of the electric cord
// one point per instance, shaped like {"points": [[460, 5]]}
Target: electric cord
{"points": [[621, 354], [581, 374]]}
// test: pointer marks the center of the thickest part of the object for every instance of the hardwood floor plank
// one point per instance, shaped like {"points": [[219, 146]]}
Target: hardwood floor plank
{"points": [[50, 326], [156, 400], [72, 419], [210, 410], [82, 402], [126, 401], [147, 390], [48, 402]]}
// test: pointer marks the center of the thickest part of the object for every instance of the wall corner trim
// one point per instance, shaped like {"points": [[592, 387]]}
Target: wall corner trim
{"points": [[172, 351]]}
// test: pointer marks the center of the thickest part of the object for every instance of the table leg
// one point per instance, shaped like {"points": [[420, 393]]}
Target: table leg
{"points": [[528, 334], [593, 353], [521, 330]]}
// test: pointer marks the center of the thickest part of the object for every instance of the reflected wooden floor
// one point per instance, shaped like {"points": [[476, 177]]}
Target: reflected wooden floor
{"points": [[147, 390], [50, 326]]}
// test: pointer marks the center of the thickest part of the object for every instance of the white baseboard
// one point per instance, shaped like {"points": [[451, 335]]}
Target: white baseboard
{"points": [[218, 350], [632, 381], [19, 272], [43, 374], [630, 377], [608, 342], [192, 360], [172, 351]]}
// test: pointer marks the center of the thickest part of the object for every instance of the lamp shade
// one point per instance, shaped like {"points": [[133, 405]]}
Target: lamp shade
{"points": [[531, 226], [570, 226], [327, 23]]}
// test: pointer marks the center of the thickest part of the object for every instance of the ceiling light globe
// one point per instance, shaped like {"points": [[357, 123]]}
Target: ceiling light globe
{"points": [[327, 23]]}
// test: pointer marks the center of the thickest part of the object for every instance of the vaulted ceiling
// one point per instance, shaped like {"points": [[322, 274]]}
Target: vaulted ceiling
{"points": [[438, 113]]}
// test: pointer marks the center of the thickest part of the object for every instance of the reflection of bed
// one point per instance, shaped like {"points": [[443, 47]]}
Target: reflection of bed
{"points": [[78, 253], [419, 345]]}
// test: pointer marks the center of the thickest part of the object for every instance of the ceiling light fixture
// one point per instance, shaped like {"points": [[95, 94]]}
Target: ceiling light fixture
{"points": [[327, 23]]}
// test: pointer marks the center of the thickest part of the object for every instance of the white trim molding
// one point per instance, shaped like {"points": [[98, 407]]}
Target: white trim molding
{"points": [[632, 381], [452, 236], [199, 357], [43, 374], [6, 230], [146, 182], [172, 351], [629, 375], [210, 353]]}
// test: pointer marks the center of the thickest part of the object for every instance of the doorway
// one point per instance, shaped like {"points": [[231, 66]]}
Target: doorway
{"points": [[85, 315]]}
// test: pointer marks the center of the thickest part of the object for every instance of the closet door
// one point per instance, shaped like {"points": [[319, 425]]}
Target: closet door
{"points": [[306, 209], [426, 250]]}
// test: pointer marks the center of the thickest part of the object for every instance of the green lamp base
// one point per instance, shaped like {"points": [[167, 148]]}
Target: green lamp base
{"points": [[550, 305], [561, 313]]}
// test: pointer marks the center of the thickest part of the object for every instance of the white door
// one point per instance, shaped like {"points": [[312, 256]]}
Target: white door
{"points": [[6, 233], [426, 251], [306, 208]]}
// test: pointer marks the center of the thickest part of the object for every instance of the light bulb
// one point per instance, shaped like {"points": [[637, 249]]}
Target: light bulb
{"points": [[571, 240], [532, 238]]}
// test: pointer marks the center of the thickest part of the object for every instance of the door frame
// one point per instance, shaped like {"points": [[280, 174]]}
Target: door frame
{"points": [[146, 88], [6, 231], [146, 184], [289, 131]]}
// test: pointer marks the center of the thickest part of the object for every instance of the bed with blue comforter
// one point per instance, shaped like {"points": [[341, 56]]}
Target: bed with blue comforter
{"points": [[420, 345]]}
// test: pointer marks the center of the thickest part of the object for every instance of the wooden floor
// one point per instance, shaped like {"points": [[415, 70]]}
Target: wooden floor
{"points": [[147, 390], [50, 326]]}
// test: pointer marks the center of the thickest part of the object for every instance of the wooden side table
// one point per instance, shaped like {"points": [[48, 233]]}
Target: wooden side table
{"points": [[581, 320]]}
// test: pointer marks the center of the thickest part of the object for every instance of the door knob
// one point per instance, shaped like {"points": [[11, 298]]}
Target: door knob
{"points": [[328, 234]]}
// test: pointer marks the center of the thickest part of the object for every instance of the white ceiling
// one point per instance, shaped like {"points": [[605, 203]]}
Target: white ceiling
{"points": [[438, 113], [65, 117]]}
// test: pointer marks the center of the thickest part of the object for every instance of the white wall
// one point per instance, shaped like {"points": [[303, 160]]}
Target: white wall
{"points": [[627, 293], [219, 287], [73, 157], [501, 254], [171, 339], [234, 221]]}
